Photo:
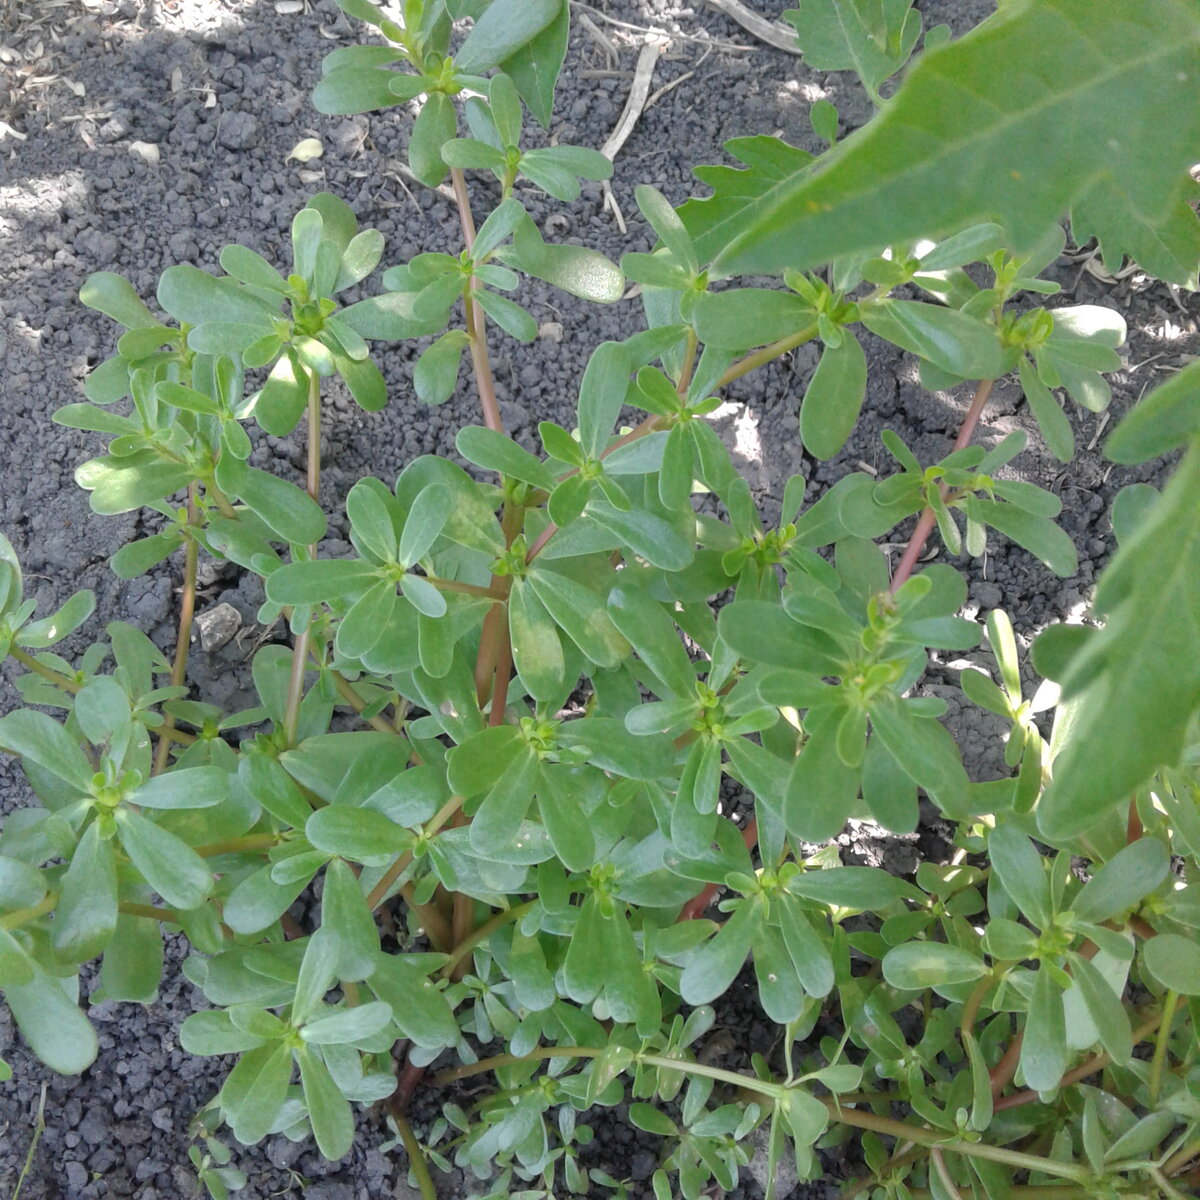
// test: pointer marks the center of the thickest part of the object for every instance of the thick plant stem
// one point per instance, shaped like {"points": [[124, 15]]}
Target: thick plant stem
{"points": [[441, 817], [149, 912], [38, 668], [295, 693], [928, 520], [1177, 1162], [696, 906], [1094, 1064], [939, 1164], [476, 326], [857, 1118], [219, 498], [508, 1060], [767, 354], [416, 1159], [485, 931], [432, 921], [346, 690], [239, 845], [689, 364], [1170, 1003], [24, 916], [183, 641]]}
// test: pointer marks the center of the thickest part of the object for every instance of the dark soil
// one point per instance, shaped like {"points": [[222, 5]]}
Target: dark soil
{"points": [[141, 133]]}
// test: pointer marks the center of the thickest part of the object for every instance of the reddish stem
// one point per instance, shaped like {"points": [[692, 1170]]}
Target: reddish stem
{"points": [[407, 1082], [476, 327], [927, 521], [696, 906]]}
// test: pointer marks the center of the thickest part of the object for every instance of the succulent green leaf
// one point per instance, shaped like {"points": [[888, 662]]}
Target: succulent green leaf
{"points": [[537, 650], [535, 67], [51, 1021], [255, 1091], [1173, 962], [834, 397], [114, 296], [504, 28], [1044, 1051], [328, 1110], [435, 125], [39, 739], [292, 514], [1123, 882], [1021, 870], [167, 863], [213, 1032], [576, 270], [713, 967], [436, 374], [740, 318], [946, 337], [320, 580], [360, 834], [1161, 422], [355, 89], [119, 485], [86, 917], [915, 966]]}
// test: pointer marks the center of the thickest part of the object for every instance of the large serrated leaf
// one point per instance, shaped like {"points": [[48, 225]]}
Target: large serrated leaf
{"points": [[1128, 720], [715, 220], [1018, 120]]}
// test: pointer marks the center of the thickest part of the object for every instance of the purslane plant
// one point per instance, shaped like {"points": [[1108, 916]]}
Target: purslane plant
{"points": [[557, 662]]}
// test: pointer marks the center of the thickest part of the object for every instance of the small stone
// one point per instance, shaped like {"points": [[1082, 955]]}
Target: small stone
{"points": [[217, 625], [77, 1175], [148, 152], [116, 127], [238, 131], [786, 1179], [551, 331]]}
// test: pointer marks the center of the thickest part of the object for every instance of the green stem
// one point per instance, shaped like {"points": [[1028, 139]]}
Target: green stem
{"points": [[484, 932], [346, 691], [436, 927], [183, 640], [767, 354], [39, 1128], [838, 1114], [416, 1158], [220, 499], [24, 916], [149, 911], [1164, 1184], [466, 589], [380, 890], [939, 1165], [1170, 1003], [509, 1060], [932, 1138], [295, 693], [177, 735], [239, 845], [38, 668], [1177, 1162], [1052, 1191], [689, 363]]}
